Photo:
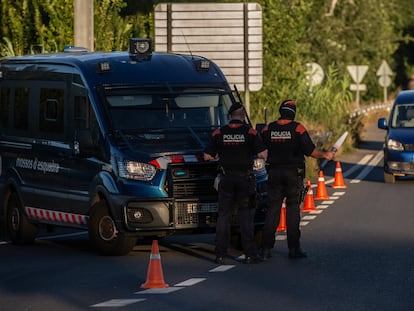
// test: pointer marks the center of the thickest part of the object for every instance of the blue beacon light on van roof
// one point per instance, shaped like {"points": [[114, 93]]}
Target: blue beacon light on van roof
{"points": [[140, 48]]}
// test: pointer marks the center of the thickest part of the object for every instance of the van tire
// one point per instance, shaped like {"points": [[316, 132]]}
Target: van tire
{"points": [[389, 178], [20, 230], [105, 236]]}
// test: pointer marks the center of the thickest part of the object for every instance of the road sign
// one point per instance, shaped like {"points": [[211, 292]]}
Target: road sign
{"points": [[384, 81], [358, 87], [230, 34], [314, 74], [357, 72], [384, 69]]}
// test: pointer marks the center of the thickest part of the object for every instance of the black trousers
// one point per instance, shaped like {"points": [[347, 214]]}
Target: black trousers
{"points": [[234, 192], [283, 183]]}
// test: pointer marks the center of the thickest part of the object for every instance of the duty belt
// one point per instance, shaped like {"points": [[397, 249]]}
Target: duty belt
{"points": [[239, 173]]}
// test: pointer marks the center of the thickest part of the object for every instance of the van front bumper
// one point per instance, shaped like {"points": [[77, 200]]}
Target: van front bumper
{"points": [[170, 214]]}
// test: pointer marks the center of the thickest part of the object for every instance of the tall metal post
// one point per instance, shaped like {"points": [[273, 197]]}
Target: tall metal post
{"points": [[83, 24], [246, 57]]}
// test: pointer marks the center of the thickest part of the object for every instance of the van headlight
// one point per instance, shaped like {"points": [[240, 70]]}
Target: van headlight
{"points": [[395, 145], [136, 170], [259, 167]]}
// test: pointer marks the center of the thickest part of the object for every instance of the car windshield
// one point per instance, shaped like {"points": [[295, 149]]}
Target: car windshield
{"points": [[153, 110], [403, 115]]}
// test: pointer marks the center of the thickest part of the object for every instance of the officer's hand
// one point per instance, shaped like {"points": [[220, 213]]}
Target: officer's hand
{"points": [[208, 157], [329, 155]]}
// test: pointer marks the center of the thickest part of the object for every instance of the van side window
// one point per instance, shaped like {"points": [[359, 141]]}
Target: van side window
{"points": [[81, 113], [4, 107], [21, 108], [51, 111]]}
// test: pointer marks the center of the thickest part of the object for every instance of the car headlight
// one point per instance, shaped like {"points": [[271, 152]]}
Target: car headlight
{"points": [[395, 145], [136, 170]]}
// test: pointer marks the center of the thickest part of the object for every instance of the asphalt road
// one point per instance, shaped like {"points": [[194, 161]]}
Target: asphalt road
{"points": [[359, 244]]}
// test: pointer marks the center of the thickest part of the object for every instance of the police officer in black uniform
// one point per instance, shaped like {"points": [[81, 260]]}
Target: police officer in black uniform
{"points": [[236, 145], [288, 143]]}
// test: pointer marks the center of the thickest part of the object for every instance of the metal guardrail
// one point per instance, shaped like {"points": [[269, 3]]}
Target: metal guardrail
{"points": [[321, 139], [370, 108]]}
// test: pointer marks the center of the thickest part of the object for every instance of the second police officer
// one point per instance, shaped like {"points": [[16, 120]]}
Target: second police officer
{"points": [[288, 143], [235, 145]]}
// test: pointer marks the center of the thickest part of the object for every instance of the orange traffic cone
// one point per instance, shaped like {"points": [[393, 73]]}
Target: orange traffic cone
{"points": [[339, 179], [155, 277], [282, 221], [309, 204], [321, 193]]}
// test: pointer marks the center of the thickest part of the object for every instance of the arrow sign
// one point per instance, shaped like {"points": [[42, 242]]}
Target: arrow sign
{"points": [[335, 147], [384, 69], [357, 72]]}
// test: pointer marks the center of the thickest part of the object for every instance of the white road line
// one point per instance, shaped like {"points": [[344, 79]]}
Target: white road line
{"points": [[339, 193], [323, 206], [369, 168], [190, 282], [159, 290], [222, 268], [327, 202], [117, 303], [362, 162], [308, 217]]}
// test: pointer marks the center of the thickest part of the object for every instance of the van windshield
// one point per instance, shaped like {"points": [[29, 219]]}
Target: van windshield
{"points": [[403, 115], [193, 108]]}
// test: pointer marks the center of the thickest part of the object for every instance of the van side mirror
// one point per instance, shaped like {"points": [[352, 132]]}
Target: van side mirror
{"points": [[382, 123], [84, 145]]}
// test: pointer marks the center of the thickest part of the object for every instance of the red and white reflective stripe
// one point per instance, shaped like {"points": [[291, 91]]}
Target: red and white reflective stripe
{"points": [[162, 162], [43, 214]]}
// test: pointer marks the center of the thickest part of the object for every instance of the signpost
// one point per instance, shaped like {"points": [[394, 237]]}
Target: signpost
{"points": [[83, 24], [384, 71], [357, 73]]}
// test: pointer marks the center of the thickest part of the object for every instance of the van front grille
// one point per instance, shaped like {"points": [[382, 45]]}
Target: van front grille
{"points": [[192, 180]]}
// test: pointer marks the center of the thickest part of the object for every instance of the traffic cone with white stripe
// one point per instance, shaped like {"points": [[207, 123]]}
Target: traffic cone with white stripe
{"points": [[321, 193], [309, 204], [282, 221], [339, 179], [155, 276]]}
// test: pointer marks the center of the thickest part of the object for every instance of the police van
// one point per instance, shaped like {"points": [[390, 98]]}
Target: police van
{"points": [[111, 143]]}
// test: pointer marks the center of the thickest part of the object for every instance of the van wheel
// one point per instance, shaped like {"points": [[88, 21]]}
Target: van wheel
{"points": [[389, 178], [20, 230], [104, 235]]}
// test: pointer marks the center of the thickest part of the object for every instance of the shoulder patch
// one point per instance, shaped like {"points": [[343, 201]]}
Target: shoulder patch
{"points": [[300, 129], [216, 132], [252, 131]]}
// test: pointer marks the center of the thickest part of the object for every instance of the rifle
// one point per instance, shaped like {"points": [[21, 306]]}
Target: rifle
{"points": [[241, 102]]}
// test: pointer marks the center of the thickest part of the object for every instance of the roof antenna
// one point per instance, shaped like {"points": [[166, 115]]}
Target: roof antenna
{"points": [[188, 47]]}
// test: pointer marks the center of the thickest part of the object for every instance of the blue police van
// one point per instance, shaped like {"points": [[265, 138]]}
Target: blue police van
{"points": [[111, 143]]}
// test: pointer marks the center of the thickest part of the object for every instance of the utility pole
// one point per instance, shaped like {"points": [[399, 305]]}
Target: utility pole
{"points": [[83, 24]]}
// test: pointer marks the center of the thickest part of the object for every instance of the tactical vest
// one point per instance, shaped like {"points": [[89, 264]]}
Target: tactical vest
{"points": [[283, 142], [236, 147]]}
